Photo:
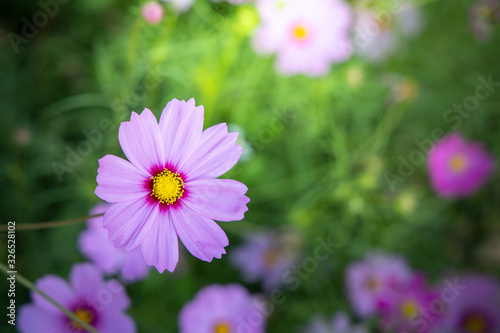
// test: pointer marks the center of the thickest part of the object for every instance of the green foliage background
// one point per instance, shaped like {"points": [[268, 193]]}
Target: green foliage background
{"points": [[322, 148]]}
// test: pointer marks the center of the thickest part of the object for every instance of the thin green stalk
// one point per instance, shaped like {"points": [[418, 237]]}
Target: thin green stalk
{"points": [[25, 282], [51, 224]]}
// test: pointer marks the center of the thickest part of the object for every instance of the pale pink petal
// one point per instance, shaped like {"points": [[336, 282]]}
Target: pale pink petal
{"points": [[160, 247], [181, 124], [116, 322], [34, 319], [141, 141], [118, 180], [94, 244], [216, 154], [218, 199], [200, 235], [129, 222], [134, 267], [118, 300], [86, 280], [56, 288]]}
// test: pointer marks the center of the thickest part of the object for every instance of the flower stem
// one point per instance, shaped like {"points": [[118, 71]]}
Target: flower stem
{"points": [[25, 282], [51, 224]]}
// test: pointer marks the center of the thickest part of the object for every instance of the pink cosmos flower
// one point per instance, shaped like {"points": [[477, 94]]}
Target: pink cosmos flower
{"points": [[266, 257], [378, 33], [95, 244], [473, 306], [409, 309], [152, 12], [340, 323], [307, 38], [375, 276], [95, 301], [169, 188], [221, 309], [458, 168]]}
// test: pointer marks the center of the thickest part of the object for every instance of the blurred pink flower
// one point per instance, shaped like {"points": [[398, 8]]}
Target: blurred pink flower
{"points": [[22, 136], [378, 34], [458, 168], [169, 188], [307, 38], [475, 307], [99, 303], [403, 311], [266, 257], [376, 276], [222, 309], [484, 14], [152, 12], [95, 244]]}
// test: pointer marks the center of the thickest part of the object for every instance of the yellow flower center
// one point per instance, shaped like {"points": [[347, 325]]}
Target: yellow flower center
{"points": [[371, 283], [409, 308], [300, 32], [168, 187], [271, 257], [458, 163], [475, 324], [222, 328], [83, 315]]}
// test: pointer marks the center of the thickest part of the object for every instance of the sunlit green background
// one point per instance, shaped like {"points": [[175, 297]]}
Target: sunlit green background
{"points": [[320, 150]]}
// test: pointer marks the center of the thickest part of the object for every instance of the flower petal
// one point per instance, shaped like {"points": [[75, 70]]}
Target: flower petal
{"points": [[95, 245], [118, 180], [134, 267], [34, 319], [216, 154], [200, 235], [119, 299], [160, 247], [116, 322], [86, 280], [141, 141], [58, 289], [218, 199], [181, 125], [129, 222]]}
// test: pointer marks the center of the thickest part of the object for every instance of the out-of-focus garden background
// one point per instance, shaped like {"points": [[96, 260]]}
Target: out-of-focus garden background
{"points": [[339, 157]]}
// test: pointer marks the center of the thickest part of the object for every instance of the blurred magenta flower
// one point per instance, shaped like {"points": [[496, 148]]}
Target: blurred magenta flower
{"points": [[95, 301], [340, 323], [266, 257], [377, 34], [458, 168], [95, 244], [169, 188], [221, 309], [474, 308], [403, 311], [307, 38], [152, 12], [376, 276]]}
